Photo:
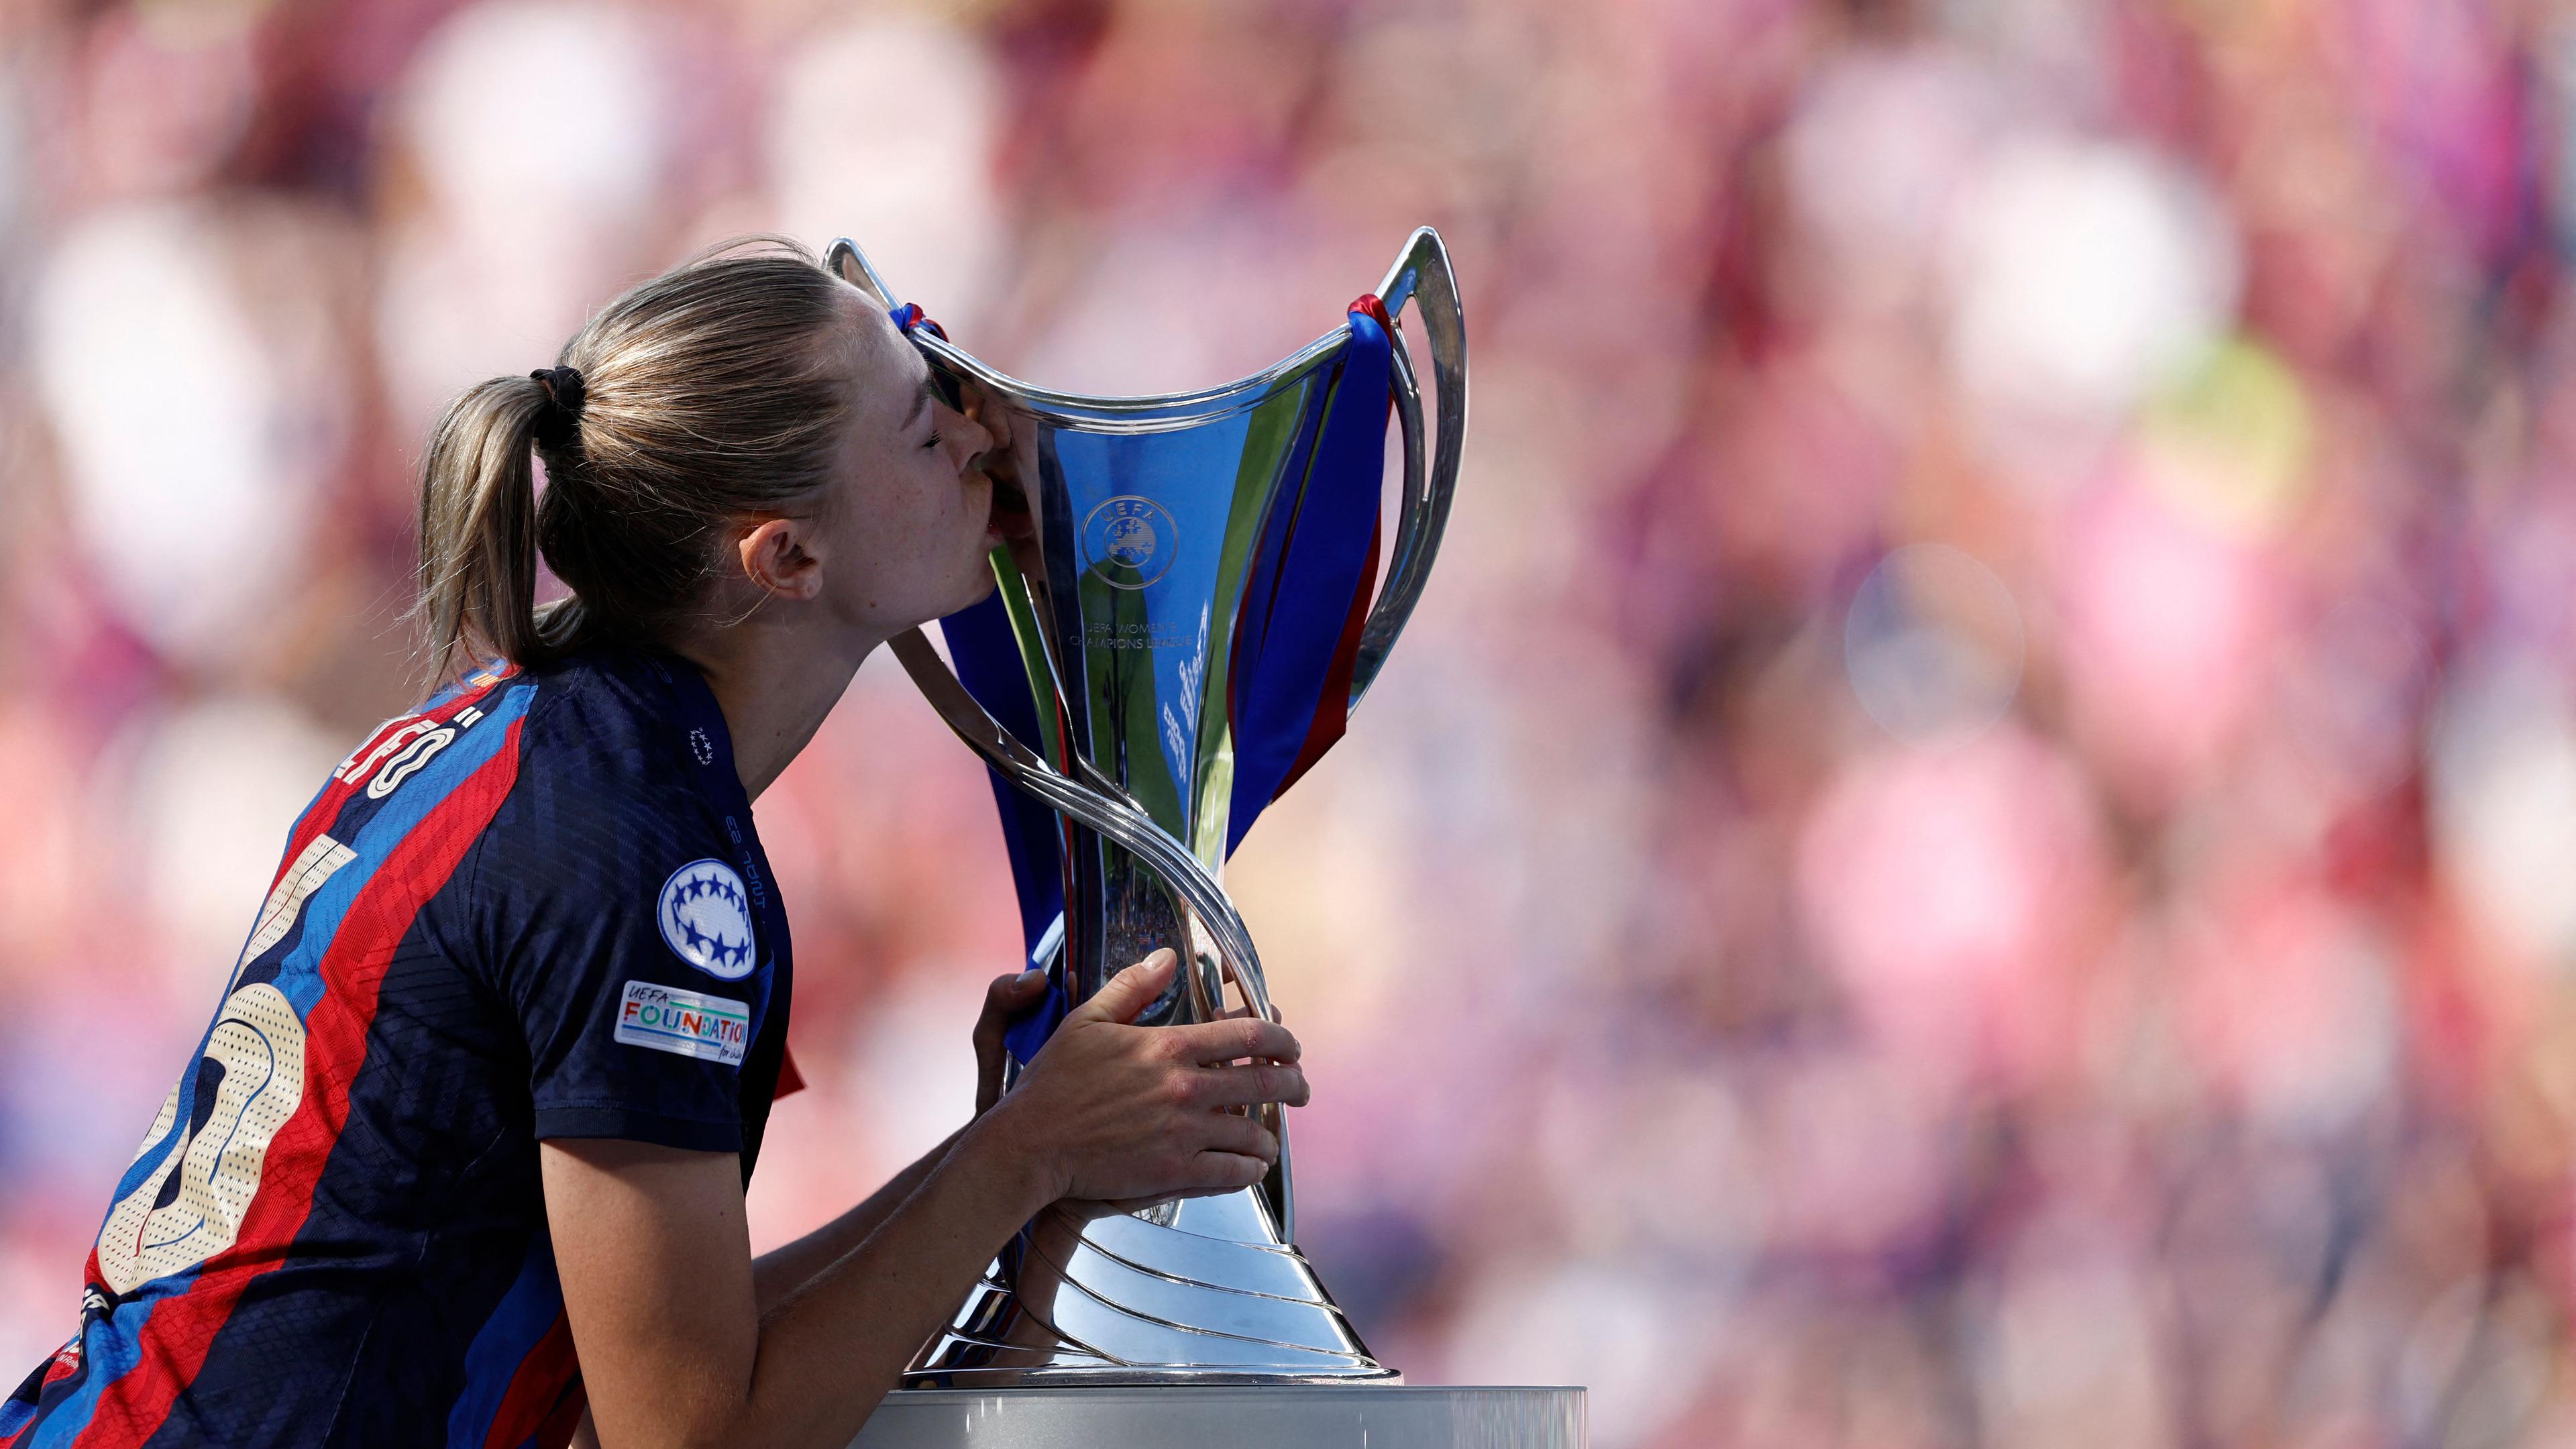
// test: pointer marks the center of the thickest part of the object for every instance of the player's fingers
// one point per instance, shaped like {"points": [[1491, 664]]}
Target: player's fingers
{"points": [[1002, 1000], [1130, 991], [1218, 1171], [1249, 1086], [1241, 1136], [1009, 995], [1224, 1041], [1004, 997]]}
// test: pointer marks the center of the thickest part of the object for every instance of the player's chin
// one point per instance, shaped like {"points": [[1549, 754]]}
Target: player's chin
{"points": [[974, 585]]}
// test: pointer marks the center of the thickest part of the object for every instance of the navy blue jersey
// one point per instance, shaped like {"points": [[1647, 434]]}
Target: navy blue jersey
{"points": [[534, 909]]}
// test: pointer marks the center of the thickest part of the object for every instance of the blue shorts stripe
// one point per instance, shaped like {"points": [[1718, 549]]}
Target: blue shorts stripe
{"points": [[518, 1322]]}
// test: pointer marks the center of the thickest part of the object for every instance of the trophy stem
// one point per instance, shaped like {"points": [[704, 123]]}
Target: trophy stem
{"points": [[1191, 1290], [1130, 828]]}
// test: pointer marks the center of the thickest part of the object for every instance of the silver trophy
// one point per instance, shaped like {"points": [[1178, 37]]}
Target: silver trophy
{"points": [[1179, 637]]}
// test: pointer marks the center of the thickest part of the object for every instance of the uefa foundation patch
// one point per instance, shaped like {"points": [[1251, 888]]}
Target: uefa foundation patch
{"points": [[710, 1028]]}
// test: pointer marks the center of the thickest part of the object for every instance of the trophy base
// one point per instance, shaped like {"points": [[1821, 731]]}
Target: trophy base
{"points": [[1201, 1416], [1204, 1290]]}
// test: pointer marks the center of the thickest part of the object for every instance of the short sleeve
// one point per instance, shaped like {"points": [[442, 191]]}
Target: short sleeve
{"points": [[625, 940]]}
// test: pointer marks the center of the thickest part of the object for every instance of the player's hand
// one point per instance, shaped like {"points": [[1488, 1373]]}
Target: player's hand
{"points": [[1113, 1111], [1006, 998]]}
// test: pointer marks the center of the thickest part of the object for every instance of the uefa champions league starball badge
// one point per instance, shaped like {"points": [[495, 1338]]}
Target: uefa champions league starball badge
{"points": [[706, 919]]}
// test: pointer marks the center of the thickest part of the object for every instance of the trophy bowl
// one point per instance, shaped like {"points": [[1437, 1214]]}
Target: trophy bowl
{"points": [[1180, 635]]}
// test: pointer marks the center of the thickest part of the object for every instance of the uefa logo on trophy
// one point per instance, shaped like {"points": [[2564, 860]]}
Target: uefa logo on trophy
{"points": [[1125, 537], [1181, 635]]}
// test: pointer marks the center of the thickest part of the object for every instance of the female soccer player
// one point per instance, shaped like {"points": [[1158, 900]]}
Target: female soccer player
{"points": [[465, 1146]]}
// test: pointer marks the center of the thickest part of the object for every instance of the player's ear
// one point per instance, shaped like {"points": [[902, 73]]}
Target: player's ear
{"points": [[778, 554]]}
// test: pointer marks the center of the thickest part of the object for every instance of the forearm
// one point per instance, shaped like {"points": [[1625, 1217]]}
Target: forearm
{"points": [[831, 1348], [782, 1270], [691, 1357]]}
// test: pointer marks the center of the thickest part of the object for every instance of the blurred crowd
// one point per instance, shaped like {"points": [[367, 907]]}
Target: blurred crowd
{"points": [[1975, 843]]}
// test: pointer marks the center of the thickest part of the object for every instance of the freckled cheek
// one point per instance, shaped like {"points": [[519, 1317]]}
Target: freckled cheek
{"points": [[930, 516]]}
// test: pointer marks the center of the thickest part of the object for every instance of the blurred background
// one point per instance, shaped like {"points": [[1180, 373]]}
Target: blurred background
{"points": [[1975, 843]]}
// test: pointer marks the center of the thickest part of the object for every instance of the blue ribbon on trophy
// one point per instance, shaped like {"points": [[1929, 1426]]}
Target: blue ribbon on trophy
{"points": [[1181, 636]]}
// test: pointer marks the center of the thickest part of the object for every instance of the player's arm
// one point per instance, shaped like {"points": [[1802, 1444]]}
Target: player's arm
{"points": [[783, 1270], [676, 1351], [654, 1256]]}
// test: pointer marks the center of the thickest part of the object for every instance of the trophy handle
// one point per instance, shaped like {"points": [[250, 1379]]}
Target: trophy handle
{"points": [[1421, 275], [1121, 823], [1133, 830], [843, 259]]}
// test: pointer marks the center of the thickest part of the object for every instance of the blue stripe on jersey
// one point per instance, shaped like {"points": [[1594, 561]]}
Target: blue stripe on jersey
{"points": [[300, 974], [105, 1354], [518, 1322], [489, 672]]}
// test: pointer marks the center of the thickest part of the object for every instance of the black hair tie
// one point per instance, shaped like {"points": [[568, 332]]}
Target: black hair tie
{"points": [[562, 412]]}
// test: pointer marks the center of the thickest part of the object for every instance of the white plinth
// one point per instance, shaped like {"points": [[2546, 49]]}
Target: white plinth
{"points": [[1227, 1416]]}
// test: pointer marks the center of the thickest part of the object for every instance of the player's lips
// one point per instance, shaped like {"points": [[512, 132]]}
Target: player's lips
{"points": [[1009, 515]]}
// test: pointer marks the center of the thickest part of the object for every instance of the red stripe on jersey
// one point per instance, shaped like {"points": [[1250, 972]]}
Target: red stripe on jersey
{"points": [[66, 1362], [557, 1430], [548, 1380], [182, 1328], [326, 806]]}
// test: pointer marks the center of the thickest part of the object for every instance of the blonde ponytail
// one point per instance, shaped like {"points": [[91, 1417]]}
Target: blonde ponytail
{"points": [[702, 397], [478, 529]]}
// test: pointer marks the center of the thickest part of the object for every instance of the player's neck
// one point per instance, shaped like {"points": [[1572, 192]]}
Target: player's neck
{"points": [[775, 682]]}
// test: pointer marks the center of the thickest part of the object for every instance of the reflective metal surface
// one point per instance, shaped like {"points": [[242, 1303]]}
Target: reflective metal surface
{"points": [[1231, 1417], [1148, 514]]}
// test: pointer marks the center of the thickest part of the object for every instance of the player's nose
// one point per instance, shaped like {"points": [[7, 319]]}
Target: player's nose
{"points": [[979, 443]]}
